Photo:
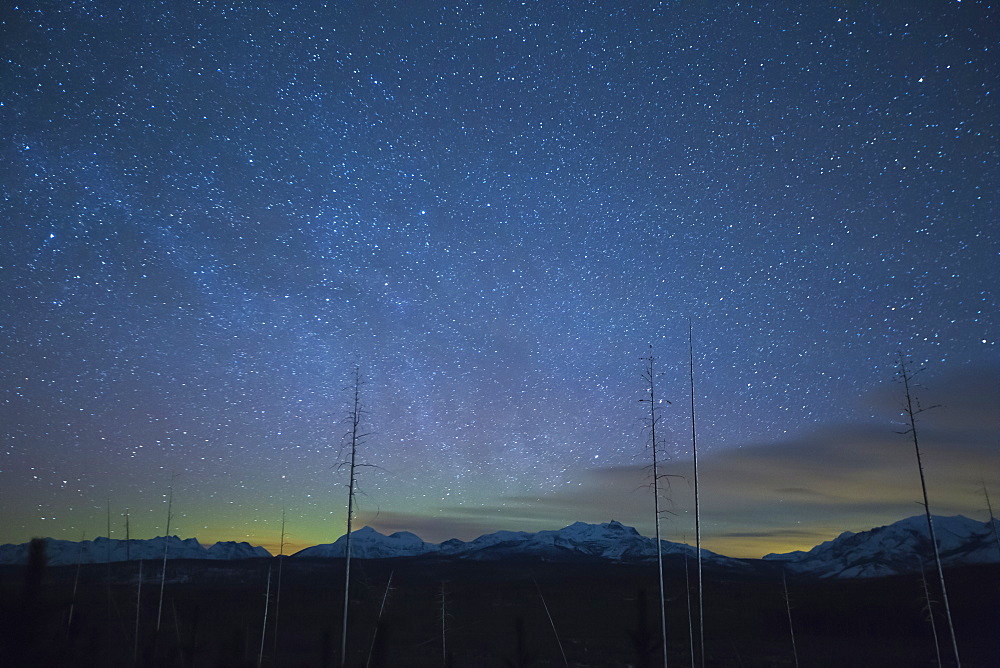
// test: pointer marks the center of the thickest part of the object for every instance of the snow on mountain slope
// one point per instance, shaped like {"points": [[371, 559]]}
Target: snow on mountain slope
{"points": [[102, 550], [232, 550], [366, 543], [611, 540], [900, 547], [889, 550]]}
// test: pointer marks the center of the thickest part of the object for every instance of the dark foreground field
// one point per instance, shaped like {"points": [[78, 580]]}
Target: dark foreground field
{"points": [[493, 615]]}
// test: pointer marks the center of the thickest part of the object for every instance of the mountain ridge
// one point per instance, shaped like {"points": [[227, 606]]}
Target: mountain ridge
{"points": [[900, 547], [610, 540], [897, 548], [110, 550]]}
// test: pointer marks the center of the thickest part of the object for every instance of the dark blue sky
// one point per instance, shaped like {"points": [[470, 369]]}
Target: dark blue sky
{"points": [[212, 214]]}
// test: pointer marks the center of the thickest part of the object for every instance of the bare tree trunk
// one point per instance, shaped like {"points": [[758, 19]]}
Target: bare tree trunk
{"points": [[76, 579], [653, 419], [993, 524], [552, 623], [697, 500], [163, 570], [912, 413], [263, 628], [277, 597], [354, 435], [381, 609], [788, 608], [930, 613]]}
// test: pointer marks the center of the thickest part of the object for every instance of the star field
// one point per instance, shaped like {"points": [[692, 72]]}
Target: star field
{"points": [[213, 213]]}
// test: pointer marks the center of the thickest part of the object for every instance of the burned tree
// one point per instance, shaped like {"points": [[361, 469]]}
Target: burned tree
{"points": [[652, 421], [911, 409], [697, 501], [353, 439]]}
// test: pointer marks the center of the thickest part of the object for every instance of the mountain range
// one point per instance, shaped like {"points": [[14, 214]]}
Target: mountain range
{"points": [[901, 547], [104, 550], [611, 540]]}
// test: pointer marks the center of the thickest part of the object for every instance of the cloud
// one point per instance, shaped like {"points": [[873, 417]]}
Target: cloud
{"points": [[432, 528], [770, 535], [600, 496], [775, 496], [801, 491]]}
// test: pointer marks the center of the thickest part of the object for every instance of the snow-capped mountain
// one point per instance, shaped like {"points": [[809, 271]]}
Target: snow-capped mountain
{"points": [[230, 549], [367, 543], [900, 547], [897, 548], [612, 540], [102, 550]]}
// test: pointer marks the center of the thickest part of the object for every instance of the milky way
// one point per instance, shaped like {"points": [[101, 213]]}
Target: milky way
{"points": [[212, 214]]}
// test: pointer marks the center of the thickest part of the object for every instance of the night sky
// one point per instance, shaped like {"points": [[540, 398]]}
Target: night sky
{"points": [[212, 214]]}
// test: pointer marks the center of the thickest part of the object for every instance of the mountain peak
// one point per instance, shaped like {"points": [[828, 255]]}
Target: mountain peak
{"points": [[610, 530], [896, 548], [886, 550], [610, 540]]}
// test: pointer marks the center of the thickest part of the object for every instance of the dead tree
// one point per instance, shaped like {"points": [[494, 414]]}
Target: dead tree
{"points": [[929, 610], [788, 609], [653, 420], [354, 438], [166, 544], [277, 596], [911, 409], [381, 610], [989, 507], [263, 626], [697, 501]]}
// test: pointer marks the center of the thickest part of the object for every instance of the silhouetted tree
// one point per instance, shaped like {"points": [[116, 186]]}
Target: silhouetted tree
{"points": [[989, 508], [697, 502], [166, 543], [911, 409], [653, 420], [788, 609], [354, 437]]}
